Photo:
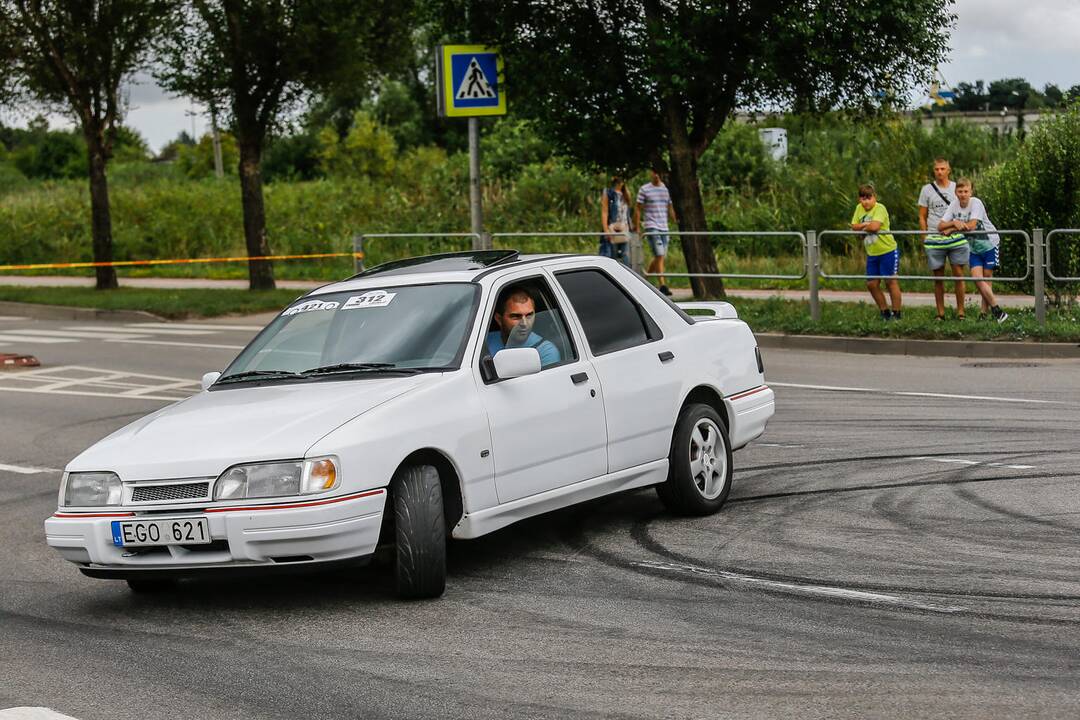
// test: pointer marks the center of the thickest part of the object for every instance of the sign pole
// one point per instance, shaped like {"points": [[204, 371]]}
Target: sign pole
{"points": [[471, 86], [476, 209]]}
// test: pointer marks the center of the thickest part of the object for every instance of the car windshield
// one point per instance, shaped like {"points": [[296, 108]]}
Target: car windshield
{"points": [[392, 329]]}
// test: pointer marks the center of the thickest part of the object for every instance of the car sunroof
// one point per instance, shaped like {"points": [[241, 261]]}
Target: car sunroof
{"points": [[444, 262]]}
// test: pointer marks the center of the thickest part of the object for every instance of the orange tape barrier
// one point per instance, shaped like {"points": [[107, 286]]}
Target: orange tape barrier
{"points": [[187, 261]]}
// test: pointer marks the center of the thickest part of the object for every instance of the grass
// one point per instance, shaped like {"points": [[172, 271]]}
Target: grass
{"points": [[863, 320], [175, 304]]}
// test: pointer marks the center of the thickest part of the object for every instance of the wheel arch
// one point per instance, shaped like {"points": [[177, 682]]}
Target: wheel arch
{"points": [[708, 395], [449, 479]]}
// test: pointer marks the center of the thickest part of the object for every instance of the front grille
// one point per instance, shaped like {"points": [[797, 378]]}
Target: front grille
{"points": [[186, 491]]}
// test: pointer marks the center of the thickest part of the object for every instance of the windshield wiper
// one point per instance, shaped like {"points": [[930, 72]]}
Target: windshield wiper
{"points": [[359, 367], [259, 374]]}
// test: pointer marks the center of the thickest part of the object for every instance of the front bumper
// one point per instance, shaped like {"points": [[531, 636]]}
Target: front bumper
{"points": [[250, 536]]}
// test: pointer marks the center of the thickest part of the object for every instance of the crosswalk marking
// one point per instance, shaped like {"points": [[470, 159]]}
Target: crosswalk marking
{"points": [[99, 382], [145, 331], [180, 344], [76, 334], [5, 337], [195, 326], [26, 470], [168, 334]]}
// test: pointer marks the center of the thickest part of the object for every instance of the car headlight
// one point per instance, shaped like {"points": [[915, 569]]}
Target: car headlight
{"points": [[92, 489], [277, 479]]}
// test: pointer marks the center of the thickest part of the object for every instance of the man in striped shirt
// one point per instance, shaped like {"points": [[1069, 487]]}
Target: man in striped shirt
{"points": [[655, 199]]}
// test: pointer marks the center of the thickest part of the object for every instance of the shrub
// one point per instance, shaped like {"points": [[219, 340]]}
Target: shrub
{"points": [[736, 159], [367, 149], [197, 161], [1040, 187], [54, 155]]}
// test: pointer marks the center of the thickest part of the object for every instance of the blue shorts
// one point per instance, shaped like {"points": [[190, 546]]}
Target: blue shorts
{"points": [[885, 264], [988, 259], [658, 243]]}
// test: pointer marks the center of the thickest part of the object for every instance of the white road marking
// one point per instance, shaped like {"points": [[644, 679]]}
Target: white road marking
{"points": [[93, 394], [33, 713], [79, 334], [195, 326], [5, 318], [142, 331], [24, 470], [31, 339], [178, 344], [960, 461], [96, 382], [778, 445], [948, 396], [825, 590]]}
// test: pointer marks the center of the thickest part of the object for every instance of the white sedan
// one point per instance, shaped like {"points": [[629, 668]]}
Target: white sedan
{"points": [[435, 397]]}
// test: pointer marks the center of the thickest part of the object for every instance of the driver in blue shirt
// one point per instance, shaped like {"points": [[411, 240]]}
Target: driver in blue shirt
{"points": [[515, 315]]}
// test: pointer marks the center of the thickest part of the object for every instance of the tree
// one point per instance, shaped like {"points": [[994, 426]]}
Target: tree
{"points": [[1011, 93], [623, 83], [969, 97], [1054, 97], [72, 55], [256, 59]]}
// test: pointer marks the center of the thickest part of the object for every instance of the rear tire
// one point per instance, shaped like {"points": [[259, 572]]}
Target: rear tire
{"points": [[699, 464], [146, 586], [420, 533]]}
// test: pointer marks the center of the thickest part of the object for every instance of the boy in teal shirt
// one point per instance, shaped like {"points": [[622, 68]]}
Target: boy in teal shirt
{"points": [[882, 254], [965, 214]]}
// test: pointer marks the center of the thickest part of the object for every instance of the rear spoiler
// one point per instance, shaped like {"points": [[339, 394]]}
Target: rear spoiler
{"points": [[711, 310]]}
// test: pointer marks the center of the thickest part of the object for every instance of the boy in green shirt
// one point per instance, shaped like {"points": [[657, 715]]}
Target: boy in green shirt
{"points": [[882, 255]]}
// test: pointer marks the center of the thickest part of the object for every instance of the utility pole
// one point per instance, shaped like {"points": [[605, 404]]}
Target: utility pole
{"points": [[219, 169]]}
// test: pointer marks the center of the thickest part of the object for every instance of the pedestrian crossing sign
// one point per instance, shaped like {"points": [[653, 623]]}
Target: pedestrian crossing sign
{"points": [[470, 81]]}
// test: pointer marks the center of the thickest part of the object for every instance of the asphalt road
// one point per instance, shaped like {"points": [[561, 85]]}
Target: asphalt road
{"points": [[882, 555]]}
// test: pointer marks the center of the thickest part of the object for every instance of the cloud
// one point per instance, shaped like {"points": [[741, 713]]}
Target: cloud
{"points": [[1034, 40]]}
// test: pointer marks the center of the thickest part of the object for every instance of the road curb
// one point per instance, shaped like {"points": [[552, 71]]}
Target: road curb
{"points": [[64, 312], [924, 348]]}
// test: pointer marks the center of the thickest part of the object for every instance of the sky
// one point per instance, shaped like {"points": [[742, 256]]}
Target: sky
{"points": [[993, 39]]}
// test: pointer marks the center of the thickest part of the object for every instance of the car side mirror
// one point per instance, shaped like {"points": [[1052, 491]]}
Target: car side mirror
{"points": [[515, 362], [209, 379]]}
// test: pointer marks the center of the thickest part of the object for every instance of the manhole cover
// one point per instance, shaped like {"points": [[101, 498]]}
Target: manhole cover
{"points": [[1003, 364]]}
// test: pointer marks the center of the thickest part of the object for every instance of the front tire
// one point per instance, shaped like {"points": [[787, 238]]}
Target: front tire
{"points": [[420, 533], [699, 465]]}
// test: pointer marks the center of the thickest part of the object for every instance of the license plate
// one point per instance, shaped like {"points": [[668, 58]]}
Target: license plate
{"points": [[170, 531]]}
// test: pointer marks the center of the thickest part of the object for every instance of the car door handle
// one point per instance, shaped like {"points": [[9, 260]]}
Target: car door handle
{"points": [[579, 378], [666, 355]]}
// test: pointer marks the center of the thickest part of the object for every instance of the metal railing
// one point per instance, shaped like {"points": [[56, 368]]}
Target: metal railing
{"points": [[1049, 265], [636, 257], [732, 233], [1036, 251], [936, 278], [360, 239]]}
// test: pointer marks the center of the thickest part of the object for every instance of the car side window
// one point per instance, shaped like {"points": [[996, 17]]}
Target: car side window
{"points": [[547, 330], [611, 319]]}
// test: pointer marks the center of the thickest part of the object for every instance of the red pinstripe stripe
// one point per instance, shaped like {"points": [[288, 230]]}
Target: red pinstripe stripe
{"points": [[90, 515], [749, 392], [287, 506]]}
